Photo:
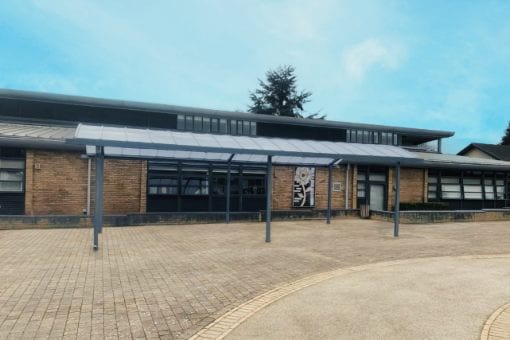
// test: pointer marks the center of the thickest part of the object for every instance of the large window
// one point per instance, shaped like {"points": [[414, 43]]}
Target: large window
{"points": [[467, 185], [450, 188], [12, 173], [472, 188], [194, 182], [163, 180], [253, 183], [219, 182]]}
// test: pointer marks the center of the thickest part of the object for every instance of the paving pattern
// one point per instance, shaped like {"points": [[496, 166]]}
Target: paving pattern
{"points": [[172, 281]]}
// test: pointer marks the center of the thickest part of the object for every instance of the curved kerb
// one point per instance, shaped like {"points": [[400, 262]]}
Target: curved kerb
{"points": [[497, 325], [222, 326]]}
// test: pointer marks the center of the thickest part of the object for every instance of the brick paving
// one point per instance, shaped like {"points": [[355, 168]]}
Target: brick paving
{"points": [[171, 281]]}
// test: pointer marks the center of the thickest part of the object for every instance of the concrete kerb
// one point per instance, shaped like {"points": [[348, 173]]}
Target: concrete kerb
{"points": [[223, 325], [497, 325]]}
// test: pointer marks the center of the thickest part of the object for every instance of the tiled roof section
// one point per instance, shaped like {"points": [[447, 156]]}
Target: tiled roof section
{"points": [[501, 152]]}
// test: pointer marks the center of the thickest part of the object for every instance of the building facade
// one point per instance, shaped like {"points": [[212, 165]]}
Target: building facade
{"points": [[42, 174]]}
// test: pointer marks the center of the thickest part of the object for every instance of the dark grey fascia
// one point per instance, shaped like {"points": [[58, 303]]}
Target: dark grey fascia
{"points": [[32, 143], [173, 109]]}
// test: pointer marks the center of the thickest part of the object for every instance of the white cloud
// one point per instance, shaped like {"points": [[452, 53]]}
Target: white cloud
{"points": [[360, 58]]}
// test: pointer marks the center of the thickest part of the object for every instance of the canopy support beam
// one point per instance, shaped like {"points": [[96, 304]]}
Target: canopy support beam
{"points": [[396, 214], [98, 211], [269, 196], [229, 168]]}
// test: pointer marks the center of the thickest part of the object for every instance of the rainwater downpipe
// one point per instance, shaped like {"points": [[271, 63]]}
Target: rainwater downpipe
{"points": [[89, 170], [347, 185]]}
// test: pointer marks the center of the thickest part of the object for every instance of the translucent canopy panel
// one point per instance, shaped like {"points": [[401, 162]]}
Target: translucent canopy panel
{"points": [[147, 143], [116, 152]]}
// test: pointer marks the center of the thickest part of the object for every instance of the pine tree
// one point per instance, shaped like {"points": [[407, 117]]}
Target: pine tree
{"points": [[279, 96], [505, 140]]}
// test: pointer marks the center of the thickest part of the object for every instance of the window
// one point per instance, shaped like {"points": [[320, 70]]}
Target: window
{"points": [[239, 127], [472, 188], [432, 190], [163, 185], [223, 126], [489, 188], [359, 136], [180, 122], [189, 123], [376, 137], [253, 184], [246, 128], [214, 125], [377, 177], [194, 182], [197, 123], [450, 188], [384, 138], [219, 182], [253, 128], [353, 136], [12, 173], [361, 189], [233, 127], [366, 137], [361, 185], [500, 189], [206, 124], [162, 180]]}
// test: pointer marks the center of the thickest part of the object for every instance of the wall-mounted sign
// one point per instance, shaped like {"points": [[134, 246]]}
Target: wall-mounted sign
{"points": [[337, 186], [304, 187]]}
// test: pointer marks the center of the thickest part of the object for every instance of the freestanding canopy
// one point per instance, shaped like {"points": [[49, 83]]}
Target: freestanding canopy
{"points": [[122, 142]]}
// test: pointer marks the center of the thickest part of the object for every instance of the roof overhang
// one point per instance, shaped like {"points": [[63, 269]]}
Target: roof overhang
{"points": [[170, 144]]}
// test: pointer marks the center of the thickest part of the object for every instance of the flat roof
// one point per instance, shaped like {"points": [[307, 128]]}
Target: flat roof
{"points": [[173, 109]]}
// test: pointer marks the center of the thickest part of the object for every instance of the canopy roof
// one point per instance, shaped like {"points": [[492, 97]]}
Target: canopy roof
{"points": [[150, 144]]}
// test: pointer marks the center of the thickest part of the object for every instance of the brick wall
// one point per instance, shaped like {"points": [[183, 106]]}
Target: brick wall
{"points": [[56, 184], [413, 186], [283, 181]]}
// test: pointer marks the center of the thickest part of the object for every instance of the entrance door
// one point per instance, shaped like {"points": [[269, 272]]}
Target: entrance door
{"points": [[376, 197]]}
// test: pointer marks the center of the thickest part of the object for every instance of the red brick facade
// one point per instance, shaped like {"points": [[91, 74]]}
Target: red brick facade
{"points": [[283, 180], [413, 186], [56, 184]]}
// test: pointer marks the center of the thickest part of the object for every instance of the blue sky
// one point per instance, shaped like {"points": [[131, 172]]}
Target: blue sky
{"points": [[426, 64]]}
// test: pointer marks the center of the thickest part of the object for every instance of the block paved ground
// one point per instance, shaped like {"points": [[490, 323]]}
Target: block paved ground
{"points": [[171, 281]]}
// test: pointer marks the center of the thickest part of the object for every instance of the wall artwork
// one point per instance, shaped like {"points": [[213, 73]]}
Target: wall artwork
{"points": [[304, 187]]}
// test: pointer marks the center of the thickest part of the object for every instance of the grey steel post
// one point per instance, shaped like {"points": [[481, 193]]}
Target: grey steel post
{"points": [[269, 191], [396, 214], [330, 170], [227, 212], [98, 211]]}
